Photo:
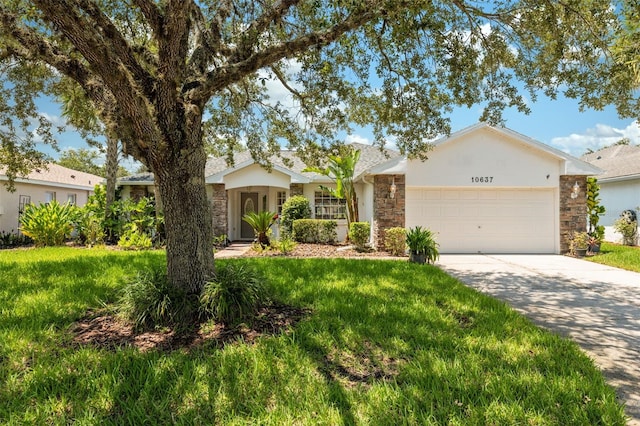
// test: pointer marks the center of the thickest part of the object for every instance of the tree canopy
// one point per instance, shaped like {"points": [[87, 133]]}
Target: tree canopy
{"points": [[167, 77], [86, 160]]}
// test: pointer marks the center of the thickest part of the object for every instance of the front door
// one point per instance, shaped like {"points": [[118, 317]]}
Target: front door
{"points": [[248, 204]]}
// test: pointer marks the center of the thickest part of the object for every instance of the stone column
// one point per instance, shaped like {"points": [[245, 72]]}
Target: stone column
{"points": [[219, 209], [387, 212], [573, 211]]}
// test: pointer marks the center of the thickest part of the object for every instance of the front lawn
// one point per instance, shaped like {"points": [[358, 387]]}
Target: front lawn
{"points": [[619, 256], [385, 343]]}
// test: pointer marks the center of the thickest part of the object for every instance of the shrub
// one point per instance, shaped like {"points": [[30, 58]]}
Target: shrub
{"points": [[296, 207], [90, 228], [395, 241], [48, 224], [285, 244], [234, 295], [150, 301], [11, 240], [315, 231], [628, 229], [359, 233], [133, 239]]}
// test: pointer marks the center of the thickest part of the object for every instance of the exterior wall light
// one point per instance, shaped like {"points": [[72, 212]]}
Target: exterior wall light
{"points": [[392, 189], [575, 191]]}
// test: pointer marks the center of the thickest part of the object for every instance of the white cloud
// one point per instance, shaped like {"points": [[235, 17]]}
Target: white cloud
{"points": [[357, 139], [596, 137]]}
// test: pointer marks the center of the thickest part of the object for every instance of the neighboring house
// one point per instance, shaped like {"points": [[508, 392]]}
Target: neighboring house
{"points": [[619, 182], [41, 186], [483, 190]]}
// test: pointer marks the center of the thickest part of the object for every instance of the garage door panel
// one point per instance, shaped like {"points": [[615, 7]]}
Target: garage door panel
{"points": [[486, 221]]}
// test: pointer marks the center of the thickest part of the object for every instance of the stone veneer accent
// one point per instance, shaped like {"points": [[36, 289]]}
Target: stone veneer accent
{"points": [[573, 211], [296, 189], [387, 212], [136, 192], [219, 209]]}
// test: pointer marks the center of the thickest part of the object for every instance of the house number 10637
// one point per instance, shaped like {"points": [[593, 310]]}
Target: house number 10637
{"points": [[481, 179]]}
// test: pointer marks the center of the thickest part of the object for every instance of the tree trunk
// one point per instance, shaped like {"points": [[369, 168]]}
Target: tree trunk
{"points": [[187, 218], [112, 175]]}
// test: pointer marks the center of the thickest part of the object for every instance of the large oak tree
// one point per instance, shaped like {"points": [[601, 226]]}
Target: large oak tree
{"points": [[168, 77]]}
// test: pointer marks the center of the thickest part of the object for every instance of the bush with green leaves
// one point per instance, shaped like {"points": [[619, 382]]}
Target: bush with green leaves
{"points": [[628, 229], [48, 224], [296, 207], [132, 239], [235, 294], [285, 244], [315, 231], [395, 241], [149, 301], [12, 239], [359, 233]]}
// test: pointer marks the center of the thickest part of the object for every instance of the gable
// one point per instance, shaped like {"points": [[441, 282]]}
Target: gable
{"points": [[256, 175], [485, 157]]}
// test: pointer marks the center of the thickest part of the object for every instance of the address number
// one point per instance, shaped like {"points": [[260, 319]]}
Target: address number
{"points": [[481, 179]]}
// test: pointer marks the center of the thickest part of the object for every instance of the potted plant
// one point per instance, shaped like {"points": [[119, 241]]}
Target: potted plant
{"points": [[422, 246], [580, 244]]}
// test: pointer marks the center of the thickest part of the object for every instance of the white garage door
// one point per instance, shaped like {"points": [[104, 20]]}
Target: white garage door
{"points": [[486, 220]]}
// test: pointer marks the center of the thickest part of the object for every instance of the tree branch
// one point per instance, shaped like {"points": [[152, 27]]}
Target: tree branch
{"points": [[231, 73], [151, 13], [82, 34], [121, 47]]}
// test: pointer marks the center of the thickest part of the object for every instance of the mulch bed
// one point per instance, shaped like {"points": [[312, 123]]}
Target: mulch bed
{"points": [[321, 250], [105, 330]]}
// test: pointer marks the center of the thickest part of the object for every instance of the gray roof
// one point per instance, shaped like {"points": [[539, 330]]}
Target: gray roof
{"points": [[370, 156], [617, 161]]}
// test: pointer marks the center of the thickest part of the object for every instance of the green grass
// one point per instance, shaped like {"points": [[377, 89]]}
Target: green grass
{"points": [[387, 343], [619, 256]]}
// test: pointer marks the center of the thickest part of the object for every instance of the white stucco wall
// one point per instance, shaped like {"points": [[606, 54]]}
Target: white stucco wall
{"points": [[616, 197], [9, 201], [485, 159]]}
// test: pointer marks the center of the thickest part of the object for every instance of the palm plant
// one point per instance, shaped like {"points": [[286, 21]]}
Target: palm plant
{"points": [[261, 223], [341, 170]]}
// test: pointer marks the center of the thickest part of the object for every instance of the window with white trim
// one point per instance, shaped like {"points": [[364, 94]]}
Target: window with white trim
{"points": [[71, 199], [329, 207], [49, 196], [281, 197]]}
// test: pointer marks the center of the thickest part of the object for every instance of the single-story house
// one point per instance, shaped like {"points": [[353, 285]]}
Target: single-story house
{"points": [[483, 189], [619, 183], [42, 186]]}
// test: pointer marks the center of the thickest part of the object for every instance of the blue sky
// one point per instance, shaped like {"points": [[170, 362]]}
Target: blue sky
{"points": [[557, 123]]}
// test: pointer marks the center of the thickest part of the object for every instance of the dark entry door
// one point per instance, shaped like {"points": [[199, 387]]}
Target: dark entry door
{"points": [[248, 203]]}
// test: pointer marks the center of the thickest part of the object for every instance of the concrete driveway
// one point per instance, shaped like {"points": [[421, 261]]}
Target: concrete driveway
{"points": [[596, 306]]}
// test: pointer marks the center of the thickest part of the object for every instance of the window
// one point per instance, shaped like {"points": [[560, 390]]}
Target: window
{"points": [[24, 200], [71, 199], [49, 196], [329, 207], [281, 197]]}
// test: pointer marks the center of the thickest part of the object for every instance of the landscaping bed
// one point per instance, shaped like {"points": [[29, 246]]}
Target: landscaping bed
{"points": [[321, 250]]}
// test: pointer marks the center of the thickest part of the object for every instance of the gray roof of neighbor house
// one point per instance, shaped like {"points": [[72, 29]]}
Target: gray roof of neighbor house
{"points": [[56, 175], [618, 162], [370, 156]]}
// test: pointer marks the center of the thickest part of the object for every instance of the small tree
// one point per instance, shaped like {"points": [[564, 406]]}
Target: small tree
{"points": [[341, 170], [594, 209]]}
